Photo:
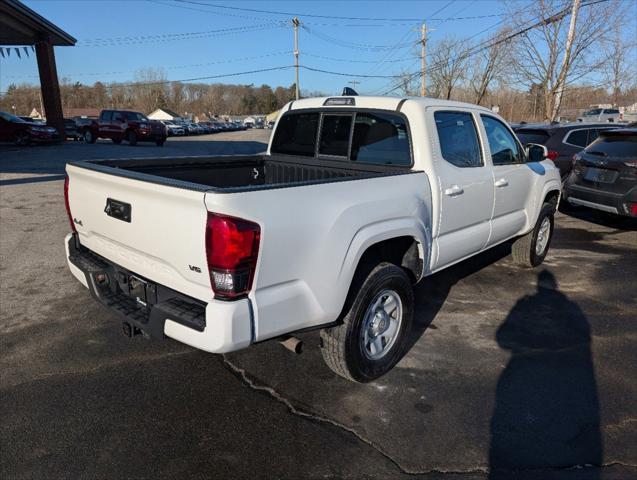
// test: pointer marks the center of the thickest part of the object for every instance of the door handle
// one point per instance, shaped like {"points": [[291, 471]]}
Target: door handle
{"points": [[501, 183], [454, 190]]}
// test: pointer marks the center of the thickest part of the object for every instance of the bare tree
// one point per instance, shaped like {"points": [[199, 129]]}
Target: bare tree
{"points": [[540, 53], [448, 60], [489, 65], [150, 89], [620, 66]]}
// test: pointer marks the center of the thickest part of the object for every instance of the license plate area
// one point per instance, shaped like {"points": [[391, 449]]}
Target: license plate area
{"points": [[143, 291], [600, 175]]}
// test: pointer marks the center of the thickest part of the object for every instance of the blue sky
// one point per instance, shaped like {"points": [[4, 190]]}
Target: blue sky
{"points": [[196, 39]]}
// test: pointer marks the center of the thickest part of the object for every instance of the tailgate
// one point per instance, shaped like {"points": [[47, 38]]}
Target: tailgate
{"points": [[163, 238]]}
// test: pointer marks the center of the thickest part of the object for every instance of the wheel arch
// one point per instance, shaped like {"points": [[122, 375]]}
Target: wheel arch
{"points": [[404, 242]]}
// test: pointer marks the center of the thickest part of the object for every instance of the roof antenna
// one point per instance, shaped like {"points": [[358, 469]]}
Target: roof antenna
{"points": [[349, 92]]}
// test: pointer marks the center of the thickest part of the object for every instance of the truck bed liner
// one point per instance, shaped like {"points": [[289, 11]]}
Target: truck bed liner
{"points": [[228, 174]]}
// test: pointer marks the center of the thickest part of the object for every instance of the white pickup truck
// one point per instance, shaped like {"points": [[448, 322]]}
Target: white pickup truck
{"points": [[355, 200]]}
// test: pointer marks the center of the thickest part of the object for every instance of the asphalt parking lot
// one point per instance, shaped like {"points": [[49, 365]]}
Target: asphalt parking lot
{"points": [[513, 373]]}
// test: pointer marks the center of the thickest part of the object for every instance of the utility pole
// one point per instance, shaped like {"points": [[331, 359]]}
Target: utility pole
{"points": [[295, 22], [354, 83], [561, 81], [423, 60]]}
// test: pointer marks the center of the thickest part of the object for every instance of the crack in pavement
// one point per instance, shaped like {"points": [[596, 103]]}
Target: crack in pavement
{"points": [[242, 374], [318, 418]]}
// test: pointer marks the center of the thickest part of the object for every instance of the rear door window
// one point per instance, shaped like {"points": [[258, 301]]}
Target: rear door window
{"points": [[296, 134], [458, 138], [335, 134], [106, 115], [380, 138]]}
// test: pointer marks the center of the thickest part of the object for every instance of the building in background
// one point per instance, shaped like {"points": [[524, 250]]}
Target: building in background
{"points": [[165, 114]]}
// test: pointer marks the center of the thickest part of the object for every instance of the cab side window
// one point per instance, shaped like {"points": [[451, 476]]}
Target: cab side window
{"points": [[505, 150], [106, 115], [458, 138]]}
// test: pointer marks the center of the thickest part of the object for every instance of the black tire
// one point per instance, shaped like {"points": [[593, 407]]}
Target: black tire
{"points": [[342, 346], [117, 141], [524, 250], [89, 136], [131, 136], [21, 139], [160, 141]]}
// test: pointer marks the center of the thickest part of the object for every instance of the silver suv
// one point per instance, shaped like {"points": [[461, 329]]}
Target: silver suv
{"points": [[600, 115]]}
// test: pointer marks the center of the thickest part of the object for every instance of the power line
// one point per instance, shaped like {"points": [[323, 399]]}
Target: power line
{"points": [[169, 37], [353, 45], [333, 17], [169, 67]]}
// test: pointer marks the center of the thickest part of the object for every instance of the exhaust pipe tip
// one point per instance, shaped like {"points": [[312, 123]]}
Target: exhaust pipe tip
{"points": [[293, 344]]}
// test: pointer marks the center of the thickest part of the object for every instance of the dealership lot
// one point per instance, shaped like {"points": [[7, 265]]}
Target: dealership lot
{"points": [[510, 370]]}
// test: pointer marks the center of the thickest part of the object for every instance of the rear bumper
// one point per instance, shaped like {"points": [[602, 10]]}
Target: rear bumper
{"points": [[216, 327], [618, 204]]}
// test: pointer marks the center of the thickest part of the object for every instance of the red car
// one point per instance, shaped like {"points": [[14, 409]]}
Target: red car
{"points": [[16, 130], [121, 125]]}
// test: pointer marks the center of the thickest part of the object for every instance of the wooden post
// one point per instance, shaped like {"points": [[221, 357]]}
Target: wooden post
{"points": [[50, 86]]}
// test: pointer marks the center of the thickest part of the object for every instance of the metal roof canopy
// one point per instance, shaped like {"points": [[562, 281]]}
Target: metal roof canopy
{"points": [[19, 25]]}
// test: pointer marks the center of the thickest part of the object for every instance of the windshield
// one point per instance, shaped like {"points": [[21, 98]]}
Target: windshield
{"points": [[11, 118], [595, 111]]}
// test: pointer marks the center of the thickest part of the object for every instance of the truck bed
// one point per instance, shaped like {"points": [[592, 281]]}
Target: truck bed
{"points": [[239, 173]]}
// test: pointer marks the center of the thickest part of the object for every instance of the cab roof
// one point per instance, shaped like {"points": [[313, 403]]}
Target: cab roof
{"points": [[381, 103]]}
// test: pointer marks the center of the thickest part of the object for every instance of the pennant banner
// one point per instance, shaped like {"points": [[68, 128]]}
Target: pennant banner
{"points": [[5, 52]]}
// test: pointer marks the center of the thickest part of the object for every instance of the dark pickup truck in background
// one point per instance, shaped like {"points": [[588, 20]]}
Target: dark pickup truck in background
{"points": [[119, 125]]}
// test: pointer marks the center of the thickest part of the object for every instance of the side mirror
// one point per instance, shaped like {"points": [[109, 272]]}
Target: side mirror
{"points": [[535, 152]]}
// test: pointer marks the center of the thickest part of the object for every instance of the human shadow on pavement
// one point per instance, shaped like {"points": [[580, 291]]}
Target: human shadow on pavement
{"points": [[546, 412]]}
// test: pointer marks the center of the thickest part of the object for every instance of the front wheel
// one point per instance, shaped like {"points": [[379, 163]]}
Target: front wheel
{"points": [[377, 318], [89, 137], [531, 249], [21, 138]]}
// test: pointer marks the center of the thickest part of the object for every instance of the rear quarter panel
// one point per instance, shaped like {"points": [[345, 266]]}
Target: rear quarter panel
{"points": [[312, 237]]}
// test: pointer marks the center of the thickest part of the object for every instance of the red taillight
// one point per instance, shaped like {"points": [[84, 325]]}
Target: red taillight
{"points": [[68, 206], [552, 155], [633, 209], [232, 247]]}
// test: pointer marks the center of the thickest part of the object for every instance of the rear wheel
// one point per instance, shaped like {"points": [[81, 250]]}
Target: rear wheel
{"points": [[531, 249], [377, 318], [160, 141], [132, 138]]}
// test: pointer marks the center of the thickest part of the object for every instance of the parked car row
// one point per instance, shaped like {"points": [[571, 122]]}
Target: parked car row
{"points": [[175, 128]]}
